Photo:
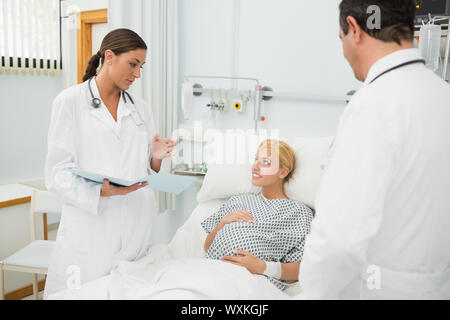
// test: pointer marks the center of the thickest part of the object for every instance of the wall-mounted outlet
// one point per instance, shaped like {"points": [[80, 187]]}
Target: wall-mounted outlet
{"points": [[238, 106]]}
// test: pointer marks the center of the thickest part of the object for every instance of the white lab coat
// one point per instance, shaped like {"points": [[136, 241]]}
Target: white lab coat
{"points": [[382, 225], [95, 232]]}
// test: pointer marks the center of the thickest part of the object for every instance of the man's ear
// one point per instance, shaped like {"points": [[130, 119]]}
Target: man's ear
{"points": [[354, 29]]}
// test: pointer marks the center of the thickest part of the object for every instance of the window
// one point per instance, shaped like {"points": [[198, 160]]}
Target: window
{"points": [[30, 37]]}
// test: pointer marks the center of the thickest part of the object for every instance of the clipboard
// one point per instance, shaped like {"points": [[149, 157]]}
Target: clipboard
{"points": [[165, 182]]}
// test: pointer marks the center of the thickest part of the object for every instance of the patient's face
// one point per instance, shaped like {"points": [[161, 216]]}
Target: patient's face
{"points": [[266, 168]]}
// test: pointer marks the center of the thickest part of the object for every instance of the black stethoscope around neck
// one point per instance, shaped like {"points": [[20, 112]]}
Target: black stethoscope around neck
{"points": [[96, 102], [398, 67]]}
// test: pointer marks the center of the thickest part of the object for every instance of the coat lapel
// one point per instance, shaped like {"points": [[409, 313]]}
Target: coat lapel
{"points": [[102, 113]]}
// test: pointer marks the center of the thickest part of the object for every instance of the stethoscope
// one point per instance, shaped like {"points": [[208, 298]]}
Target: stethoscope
{"points": [[398, 67], [96, 102]]}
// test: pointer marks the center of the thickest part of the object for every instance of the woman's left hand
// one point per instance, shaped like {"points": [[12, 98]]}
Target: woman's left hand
{"points": [[249, 261], [162, 148]]}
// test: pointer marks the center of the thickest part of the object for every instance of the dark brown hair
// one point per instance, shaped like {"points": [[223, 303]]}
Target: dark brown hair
{"points": [[118, 41], [397, 18]]}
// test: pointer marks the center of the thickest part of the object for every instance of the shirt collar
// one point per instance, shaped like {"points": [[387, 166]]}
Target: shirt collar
{"points": [[390, 61]]}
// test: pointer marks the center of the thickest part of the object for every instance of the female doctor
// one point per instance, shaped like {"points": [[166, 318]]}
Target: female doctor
{"points": [[99, 127]]}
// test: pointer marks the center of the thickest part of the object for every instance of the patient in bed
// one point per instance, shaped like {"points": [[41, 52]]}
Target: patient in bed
{"points": [[265, 232]]}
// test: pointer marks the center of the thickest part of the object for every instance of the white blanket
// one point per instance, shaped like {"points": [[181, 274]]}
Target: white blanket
{"points": [[184, 278]]}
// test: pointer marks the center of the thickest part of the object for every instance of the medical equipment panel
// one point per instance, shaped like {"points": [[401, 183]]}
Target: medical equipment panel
{"points": [[431, 7]]}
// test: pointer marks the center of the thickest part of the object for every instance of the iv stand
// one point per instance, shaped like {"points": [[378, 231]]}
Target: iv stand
{"points": [[447, 52]]}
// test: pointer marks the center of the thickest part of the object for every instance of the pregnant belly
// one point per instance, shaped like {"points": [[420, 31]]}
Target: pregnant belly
{"points": [[239, 236]]}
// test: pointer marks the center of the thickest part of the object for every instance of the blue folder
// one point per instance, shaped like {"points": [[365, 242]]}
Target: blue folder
{"points": [[162, 181]]}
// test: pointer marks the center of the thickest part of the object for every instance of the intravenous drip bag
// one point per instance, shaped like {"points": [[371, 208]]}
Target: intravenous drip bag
{"points": [[430, 45]]}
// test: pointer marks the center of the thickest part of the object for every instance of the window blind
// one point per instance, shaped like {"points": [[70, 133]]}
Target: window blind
{"points": [[30, 37]]}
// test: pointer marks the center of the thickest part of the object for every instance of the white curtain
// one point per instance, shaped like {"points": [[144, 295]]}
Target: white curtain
{"points": [[30, 37], [156, 21]]}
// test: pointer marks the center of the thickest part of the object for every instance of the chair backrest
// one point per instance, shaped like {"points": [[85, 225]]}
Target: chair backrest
{"points": [[42, 202]]}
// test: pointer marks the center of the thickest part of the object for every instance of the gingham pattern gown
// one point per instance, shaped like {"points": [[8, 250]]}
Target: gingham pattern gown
{"points": [[277, 235]]}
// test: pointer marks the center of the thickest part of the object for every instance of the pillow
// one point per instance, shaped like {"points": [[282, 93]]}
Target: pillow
{"points": [[310, 155], [229, 156], [225, 180]]}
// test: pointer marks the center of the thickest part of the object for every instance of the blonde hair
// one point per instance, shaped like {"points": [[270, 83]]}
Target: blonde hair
{"points": [[285, 154]]}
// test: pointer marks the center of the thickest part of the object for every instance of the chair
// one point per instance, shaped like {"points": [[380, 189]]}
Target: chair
{"points": [[35, 257]]}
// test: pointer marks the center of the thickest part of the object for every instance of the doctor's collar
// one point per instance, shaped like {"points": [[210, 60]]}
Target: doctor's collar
{"points": [[391, 60]]}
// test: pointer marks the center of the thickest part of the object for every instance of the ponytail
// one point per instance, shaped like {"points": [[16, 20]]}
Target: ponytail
{"points": [[91, 69]]}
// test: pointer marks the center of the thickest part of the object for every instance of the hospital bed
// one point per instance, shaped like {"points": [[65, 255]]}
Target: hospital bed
{"points": [[177, 266]]}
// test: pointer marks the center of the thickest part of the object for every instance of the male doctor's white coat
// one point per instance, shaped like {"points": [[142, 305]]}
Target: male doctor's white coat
{"points": [[382, 225], [95, 232]]}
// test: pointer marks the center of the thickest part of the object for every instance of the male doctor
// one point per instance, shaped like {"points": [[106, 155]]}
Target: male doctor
{"points": [[382, 226]]}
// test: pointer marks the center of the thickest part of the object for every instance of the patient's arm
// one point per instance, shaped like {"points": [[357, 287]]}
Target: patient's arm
{"points": [[210, 238], [247, 260], [289, 271]]}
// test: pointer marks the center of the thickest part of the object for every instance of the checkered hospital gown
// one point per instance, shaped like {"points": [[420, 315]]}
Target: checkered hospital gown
{"points": [[278, 233]]}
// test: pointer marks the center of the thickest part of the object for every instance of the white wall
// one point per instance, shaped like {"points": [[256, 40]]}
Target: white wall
{"points": [[24, 118], [289, 45], [99, 31]]}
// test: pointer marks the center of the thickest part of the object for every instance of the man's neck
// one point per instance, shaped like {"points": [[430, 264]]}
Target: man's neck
{"points": [[379, 50]]}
